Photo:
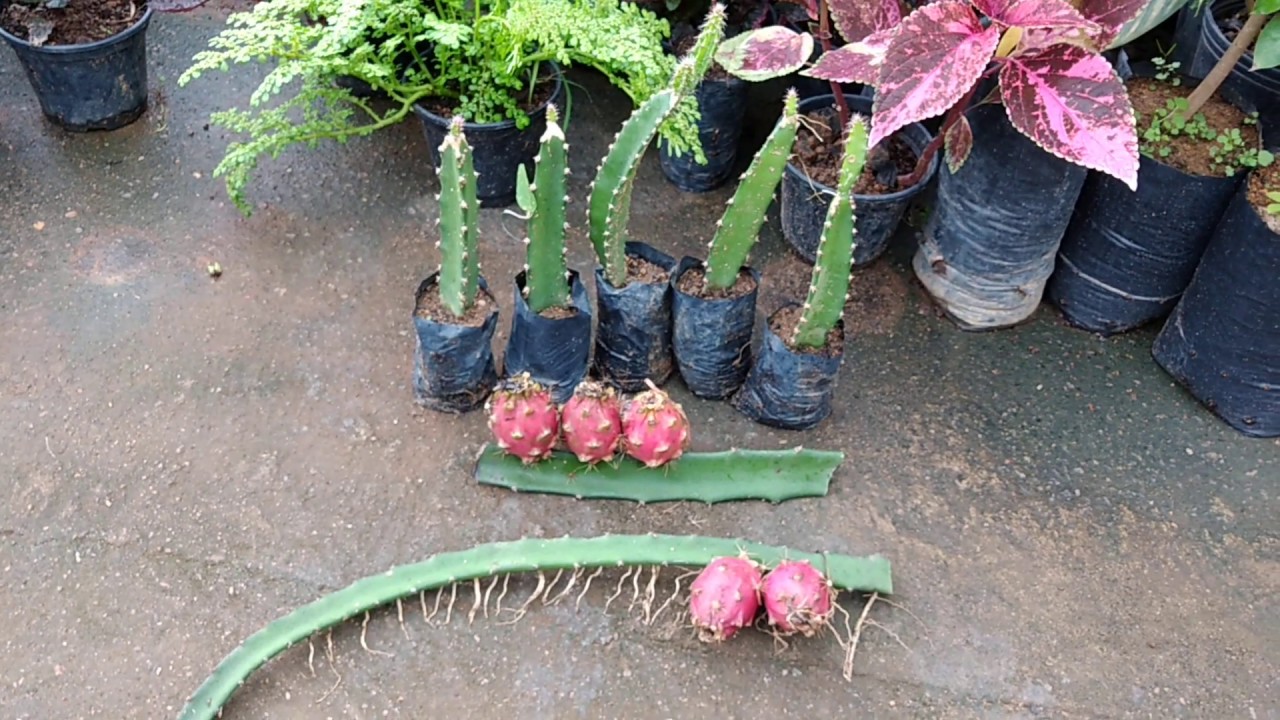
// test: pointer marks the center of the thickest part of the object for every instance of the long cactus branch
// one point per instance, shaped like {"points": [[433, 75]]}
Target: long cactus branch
{"points": [[833, 264], [772, 475], [736, 231], [459, 222], [865, 574], [546, 274]]}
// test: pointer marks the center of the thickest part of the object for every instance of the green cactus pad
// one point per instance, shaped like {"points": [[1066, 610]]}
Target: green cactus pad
{"points": [[459, 223], [546, 280]]}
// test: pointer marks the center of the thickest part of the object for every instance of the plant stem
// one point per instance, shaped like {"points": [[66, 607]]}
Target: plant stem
{"points": [[824, 34], [1226, 64], [926, 157]]}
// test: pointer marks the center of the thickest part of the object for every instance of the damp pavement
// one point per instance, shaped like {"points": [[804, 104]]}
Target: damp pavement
{"points": [[185, 459]]}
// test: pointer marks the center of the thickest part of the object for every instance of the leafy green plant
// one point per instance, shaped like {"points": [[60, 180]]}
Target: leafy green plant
{"points": [[481, 58], [1261, 32], [459, 223], [544, 200], [1273, 207]]}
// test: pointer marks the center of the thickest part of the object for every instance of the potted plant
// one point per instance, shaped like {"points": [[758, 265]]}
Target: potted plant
{"points": [[551, 328], [792, 381], [1222, 341], [1240, 52], [86, 61], [454, 315], [494, 62], [633, 293], [714, 303], [1128, 255]]}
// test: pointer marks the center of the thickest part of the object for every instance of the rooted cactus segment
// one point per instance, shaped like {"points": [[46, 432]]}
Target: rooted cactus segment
{"points": [[736, 231], [459, 222], [869, 574], [523, 418], [546, 274], [655, 430], [833, 265], [770, 475], [591, 422]]}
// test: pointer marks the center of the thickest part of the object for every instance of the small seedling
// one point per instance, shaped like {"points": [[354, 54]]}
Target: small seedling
{"points": [[1273, 207]]}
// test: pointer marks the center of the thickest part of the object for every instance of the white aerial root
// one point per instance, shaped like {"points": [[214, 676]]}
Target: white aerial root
{"points": [[400, 613], [475, 606], [635, 589], [364, 629], [434, 610], [573, 580], [673, 597], [578, 602], [520, 612], [488, 592], [617, 591], [546, 596], [506, 580], [650, 592], [453, 595], [328, 651], [851, 648], [311, 656]]}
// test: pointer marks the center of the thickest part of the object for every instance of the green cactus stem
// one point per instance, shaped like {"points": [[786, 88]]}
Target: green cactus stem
{"points": [[833, 265], [546, 274], [459, 222], [737, 230], [864, 574], [772, 475]]}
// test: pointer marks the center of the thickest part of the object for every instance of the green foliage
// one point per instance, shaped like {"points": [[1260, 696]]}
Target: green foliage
{"points": [[1273, 207], [459, 223], [544, 200], [482, 58], [829, 287], [736, 231]]}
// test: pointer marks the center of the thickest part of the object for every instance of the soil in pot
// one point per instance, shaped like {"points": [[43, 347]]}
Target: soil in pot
{"points": [[633, 332], [1128, 255], [711, 330], [453, 368], [1218, 28], [694, 282], [1264, 194], [820, 148], [78, 23], [790, 387]]}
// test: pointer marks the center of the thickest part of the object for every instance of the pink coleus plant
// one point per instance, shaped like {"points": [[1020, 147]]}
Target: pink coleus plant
{"points": [[1055, 86]]}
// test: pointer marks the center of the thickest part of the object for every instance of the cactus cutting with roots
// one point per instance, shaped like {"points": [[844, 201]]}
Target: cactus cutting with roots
{"points": [[833, 264], [544, 200], [498, 561], [459, 222], [609, 203], [737, 230]]}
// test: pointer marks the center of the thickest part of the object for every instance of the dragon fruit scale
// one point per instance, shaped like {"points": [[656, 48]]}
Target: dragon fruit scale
{"points": [[524, 420], [655, 430], [724, 598], [591, 422], [797, 598]]}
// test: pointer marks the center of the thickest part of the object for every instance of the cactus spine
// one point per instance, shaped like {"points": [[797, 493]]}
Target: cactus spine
{"points": [[865, 574], [829, 287], [736, 231], [459, 222], [609, 204], [546, 274]]}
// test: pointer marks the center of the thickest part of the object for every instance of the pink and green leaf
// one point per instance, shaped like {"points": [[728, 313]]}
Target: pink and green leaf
{"points": [[765, 53], [857, 19], [857, 62], [1071, 103], [1110, 15], [1035, 14], [958, 144], [940, 51]]}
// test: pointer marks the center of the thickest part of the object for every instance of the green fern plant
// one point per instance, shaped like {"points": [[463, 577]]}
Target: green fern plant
{"points": [[481, 57]]}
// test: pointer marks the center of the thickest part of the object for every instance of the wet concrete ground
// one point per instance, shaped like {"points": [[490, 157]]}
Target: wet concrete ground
{"points": [[187, 459]]}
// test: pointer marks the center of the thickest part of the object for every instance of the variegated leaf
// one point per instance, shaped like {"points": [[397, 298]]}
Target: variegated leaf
{"points": [[1029, 14], [959, 143], [857, 19], [1110, 15], [857, 62], [1071, 103], [765, 53], [938, 54]]}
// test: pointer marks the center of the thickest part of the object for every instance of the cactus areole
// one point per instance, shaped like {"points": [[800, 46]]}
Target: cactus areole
{"points": [[524, 420]]}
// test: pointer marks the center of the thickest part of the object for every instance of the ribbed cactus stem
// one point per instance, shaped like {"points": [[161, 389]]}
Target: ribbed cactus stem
{"points": [[687, 76], [737, 230], [459, 222], [545, 285], [829, 286]]}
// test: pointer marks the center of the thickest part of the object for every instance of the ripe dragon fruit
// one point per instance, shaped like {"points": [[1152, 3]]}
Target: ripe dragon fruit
{"points": [[797, 598], [655, 430], [724, 598], [523, 418], [592, 422]]}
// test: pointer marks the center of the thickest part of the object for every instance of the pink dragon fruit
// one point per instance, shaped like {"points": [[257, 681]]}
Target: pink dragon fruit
{"points": [[655, 430], [797, 598], [591, 422], [724, 598], [523, 418]]}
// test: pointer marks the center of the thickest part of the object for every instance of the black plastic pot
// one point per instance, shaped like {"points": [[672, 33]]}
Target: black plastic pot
{"points": [[1127, 255], [1186, 38], [554, 352], [453, 367], [497, 148], [990, 242], [633, 329], [1244, 87], [723, 106], [805, 201], [788, 389], [94, 86], [711, 338], [1222, 341]]}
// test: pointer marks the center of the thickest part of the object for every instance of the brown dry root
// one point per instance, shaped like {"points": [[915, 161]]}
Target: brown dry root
{"points": [[364, 642], [328, 651]]}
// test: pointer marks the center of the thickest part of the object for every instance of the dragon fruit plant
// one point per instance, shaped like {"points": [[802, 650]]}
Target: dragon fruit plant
{"points": [[459, 223], [1056, 87], [544, 200]]}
